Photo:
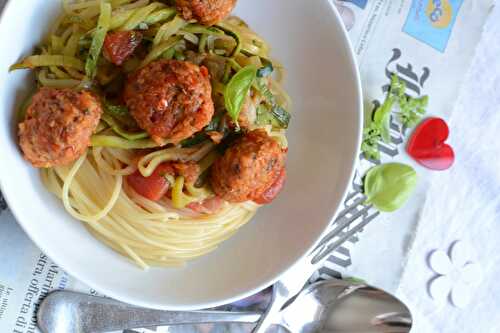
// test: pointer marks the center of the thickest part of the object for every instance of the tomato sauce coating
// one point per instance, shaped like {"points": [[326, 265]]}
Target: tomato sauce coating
{"points": [[170, 99], [248, 168], [58, 126], [207, 12]]}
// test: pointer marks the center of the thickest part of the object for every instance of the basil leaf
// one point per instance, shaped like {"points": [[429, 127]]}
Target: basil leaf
{"points": [[237, 90], [388, 186]]}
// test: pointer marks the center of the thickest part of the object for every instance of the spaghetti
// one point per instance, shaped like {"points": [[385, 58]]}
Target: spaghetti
{"points": [[94, 188]]}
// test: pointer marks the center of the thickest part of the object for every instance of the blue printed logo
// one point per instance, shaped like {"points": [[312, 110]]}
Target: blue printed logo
{"points": [[360, 3], [432, 21]]}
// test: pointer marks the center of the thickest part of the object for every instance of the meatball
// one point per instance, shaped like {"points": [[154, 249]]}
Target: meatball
{"points": [[248, 168], [170, 99], [58, 126], [207, 12]]}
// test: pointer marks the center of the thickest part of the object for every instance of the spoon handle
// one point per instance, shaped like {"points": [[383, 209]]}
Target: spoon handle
{"points": [[83, 313]]}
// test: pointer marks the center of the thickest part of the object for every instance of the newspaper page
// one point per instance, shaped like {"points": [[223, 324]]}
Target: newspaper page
{"points": [[427, 43]]}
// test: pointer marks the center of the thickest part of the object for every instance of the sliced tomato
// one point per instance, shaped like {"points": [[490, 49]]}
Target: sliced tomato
{"points": [[119, 45], [153, 187], [272, 192], [207, 206]]}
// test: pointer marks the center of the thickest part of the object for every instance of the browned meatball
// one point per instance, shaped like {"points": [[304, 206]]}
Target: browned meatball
{"points": [[207, 12], [58, 126], [170, 99], [248, 168]]}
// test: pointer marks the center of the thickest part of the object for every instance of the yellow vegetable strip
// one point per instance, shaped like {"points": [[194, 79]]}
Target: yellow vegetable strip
{"points": [[49, 60]]}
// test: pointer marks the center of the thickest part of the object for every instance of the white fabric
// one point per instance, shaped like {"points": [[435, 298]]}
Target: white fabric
{"points": [[464, 204]]}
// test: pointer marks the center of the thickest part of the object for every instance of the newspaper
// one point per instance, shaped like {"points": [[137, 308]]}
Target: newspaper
{"points": [[427, 43]]}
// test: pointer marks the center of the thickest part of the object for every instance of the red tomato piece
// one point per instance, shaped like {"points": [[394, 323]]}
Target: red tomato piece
{"points": [[207, 206], [272, 192], [204, 71], [153, 187], [119, 45]]}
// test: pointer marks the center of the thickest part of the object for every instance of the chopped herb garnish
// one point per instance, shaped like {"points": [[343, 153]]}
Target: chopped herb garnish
{"points": [[411, 111], [371, 137]]}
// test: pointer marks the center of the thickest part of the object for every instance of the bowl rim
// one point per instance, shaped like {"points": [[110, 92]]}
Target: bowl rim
{"points": [[348, 181]]}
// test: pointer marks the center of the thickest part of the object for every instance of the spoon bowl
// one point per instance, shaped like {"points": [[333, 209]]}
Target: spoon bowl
{"points": [[342, 306]]}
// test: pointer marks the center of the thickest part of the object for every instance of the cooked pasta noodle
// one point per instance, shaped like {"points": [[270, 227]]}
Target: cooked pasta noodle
{"points": [[94, 189], [150, 233]]}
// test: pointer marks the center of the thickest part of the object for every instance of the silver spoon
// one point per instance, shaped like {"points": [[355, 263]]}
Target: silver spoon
{"points": [[328, 306]]}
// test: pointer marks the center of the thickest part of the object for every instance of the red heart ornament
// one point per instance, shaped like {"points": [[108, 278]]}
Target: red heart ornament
{"points": [[427, 145]]}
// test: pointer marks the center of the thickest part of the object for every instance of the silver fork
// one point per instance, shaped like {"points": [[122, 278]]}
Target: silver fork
{"points": [[294, 280]]}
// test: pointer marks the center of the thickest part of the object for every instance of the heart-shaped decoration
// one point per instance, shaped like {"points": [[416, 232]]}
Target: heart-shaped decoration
{"points": [[427, 145]]}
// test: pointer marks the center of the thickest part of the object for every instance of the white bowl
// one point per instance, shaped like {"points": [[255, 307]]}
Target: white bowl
{"points": [[309, 38]]}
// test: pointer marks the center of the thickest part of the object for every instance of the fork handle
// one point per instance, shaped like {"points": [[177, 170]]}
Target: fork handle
{"points": [[84, 313]]}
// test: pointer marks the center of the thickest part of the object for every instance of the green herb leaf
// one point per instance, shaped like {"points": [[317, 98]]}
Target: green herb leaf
{"points": [[371, 138], [382, 118], [98, 40], [411, 112], [388, 186], [237, 90]]}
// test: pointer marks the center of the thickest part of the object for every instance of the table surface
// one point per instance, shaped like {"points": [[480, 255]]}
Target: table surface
{"points": [[462, 204], [400, 266]]}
